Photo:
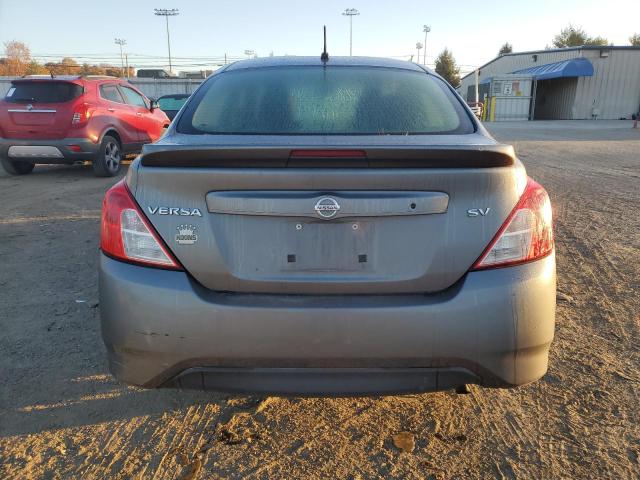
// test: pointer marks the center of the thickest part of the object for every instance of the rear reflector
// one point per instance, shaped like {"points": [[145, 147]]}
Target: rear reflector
{"points": [[127, 235], [526, 235]]}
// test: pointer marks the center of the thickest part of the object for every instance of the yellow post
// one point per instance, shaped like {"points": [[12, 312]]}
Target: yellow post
{"points": [[492, 115]]}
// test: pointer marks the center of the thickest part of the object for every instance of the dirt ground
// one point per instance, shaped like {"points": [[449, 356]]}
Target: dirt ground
{"points": [[63, 416]]}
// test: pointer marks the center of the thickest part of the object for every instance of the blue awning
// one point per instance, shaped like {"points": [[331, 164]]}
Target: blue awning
{"points": [[577, 67]]}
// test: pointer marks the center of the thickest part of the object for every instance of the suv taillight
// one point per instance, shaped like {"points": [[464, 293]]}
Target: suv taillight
{"points": [[82, 114], [526, 235], [127, 235]]}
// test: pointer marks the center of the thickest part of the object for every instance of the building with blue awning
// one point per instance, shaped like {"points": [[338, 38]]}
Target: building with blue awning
{"points": [[590, 82], [577, 67]]}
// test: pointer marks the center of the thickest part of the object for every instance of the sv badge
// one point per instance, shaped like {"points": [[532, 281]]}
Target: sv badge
{"points": [[475, 212]]}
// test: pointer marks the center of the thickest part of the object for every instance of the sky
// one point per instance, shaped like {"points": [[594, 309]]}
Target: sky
{"points": [[472, 30]]}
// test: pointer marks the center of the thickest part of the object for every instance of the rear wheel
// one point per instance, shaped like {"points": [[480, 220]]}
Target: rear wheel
{"points": [[109, 159], [10, 167]]}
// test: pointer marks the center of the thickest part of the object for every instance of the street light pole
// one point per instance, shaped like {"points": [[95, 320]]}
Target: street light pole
{"points": [[350, 12], [166, 13], [426, 29], [121, 42]]}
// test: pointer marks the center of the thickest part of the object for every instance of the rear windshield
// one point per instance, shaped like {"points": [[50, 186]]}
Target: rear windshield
{"points": [[171, 103], [43, 92], [325, 101]]}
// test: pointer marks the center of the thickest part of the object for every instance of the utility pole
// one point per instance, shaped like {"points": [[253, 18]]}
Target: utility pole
{"points": [[121, 42], [426, 29], [418, 47], [126, 61], [166, 13], [350, 12], [476, 76]]}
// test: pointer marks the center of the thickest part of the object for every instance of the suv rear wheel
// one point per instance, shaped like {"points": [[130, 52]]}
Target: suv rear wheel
{"points": [[14, 168], [109, 159]]}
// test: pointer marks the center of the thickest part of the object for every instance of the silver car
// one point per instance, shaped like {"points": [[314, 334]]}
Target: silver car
{"points": [[327, 227]]}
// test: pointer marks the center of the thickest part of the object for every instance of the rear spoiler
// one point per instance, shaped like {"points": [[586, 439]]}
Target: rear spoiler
{"points": [[484, 156]]}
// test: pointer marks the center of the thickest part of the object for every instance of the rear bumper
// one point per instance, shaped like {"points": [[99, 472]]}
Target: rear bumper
{"points": [[47, 151], [493, 328]]}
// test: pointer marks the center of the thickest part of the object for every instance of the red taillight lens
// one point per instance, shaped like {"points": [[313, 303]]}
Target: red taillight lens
{"points": [[81, 114], [127, 235], [526, 235]]}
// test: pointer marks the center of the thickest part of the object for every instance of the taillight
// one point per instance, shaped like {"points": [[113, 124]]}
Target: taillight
{"points": [[81, 114], [127, 235], [526, 235]]}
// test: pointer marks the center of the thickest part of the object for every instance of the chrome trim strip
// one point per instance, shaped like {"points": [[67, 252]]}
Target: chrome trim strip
{"points": [[295, 203], [19, 110]]}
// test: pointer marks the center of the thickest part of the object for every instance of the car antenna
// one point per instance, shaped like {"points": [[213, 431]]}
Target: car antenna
{"points": [[325, 55]]}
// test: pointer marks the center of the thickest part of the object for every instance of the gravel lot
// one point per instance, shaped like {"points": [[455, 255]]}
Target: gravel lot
{"points": [[63, 416]]}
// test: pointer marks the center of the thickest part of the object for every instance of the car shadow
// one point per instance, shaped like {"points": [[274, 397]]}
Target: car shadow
{"points": [[79, 171], [68, 402]]}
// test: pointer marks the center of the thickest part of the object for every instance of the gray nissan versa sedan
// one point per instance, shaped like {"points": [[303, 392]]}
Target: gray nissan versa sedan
{"points": [[327, 227]]}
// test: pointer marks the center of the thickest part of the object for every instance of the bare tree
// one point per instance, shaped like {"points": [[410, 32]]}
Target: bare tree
{"points": [[17, 59], [68, 66]]}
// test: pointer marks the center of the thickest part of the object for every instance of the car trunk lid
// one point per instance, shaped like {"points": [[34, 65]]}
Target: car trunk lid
{"points": [[39, 109], [388, 220]]}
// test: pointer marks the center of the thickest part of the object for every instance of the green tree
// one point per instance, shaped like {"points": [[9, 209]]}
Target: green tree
{"points": [[447, 68], [598, 41], [635, 39], [506, 48], [576, 37]]}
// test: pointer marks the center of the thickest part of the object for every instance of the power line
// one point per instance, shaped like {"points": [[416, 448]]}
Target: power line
{"points": [[142, 60], [111, 55]]}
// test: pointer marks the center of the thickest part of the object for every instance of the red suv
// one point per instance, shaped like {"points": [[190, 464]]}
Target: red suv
{"points": [[71, 119]]}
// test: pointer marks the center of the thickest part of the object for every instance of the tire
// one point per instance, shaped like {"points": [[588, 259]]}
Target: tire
{"points": [[9, 167], [109, 159]]}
